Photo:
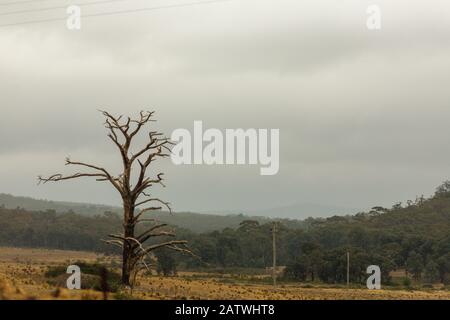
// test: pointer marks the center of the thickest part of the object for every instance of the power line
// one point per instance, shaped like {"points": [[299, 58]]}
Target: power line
{"points": [[20, 2], [118, 12], [59, 7]]}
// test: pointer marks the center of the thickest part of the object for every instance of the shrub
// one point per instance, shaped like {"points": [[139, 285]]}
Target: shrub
{"points": [[406, 282]]}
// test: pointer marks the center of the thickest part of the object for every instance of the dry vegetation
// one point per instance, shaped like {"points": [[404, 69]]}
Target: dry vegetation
{"points": [[22, 276]]}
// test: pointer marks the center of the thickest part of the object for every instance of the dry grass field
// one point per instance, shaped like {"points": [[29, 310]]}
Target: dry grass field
{"points": [[22, 276]]}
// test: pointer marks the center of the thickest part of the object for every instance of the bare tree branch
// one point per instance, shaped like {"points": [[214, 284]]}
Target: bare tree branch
{"points": [[148, 231], [60, 177], [164, 244]]}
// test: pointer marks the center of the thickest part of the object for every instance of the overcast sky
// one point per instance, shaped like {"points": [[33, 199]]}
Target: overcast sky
{"points": [[363, 115]]}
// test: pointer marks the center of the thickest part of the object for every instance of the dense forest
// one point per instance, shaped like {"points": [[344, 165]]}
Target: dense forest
{"points": [[414, 236]]}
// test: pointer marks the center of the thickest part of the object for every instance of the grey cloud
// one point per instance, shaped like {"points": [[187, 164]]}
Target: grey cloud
{"points": [[362, 116]]}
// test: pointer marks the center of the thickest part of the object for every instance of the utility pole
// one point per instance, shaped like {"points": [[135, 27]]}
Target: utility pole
{"points": [[348, 269], [274, 253]]}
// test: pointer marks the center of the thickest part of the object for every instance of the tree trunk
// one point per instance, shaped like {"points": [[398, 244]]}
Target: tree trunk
{"points": [[127, 253], [126, 270]]}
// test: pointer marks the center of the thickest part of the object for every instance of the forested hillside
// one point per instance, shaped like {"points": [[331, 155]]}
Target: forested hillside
{"points": [[196, 222], [414, 236]]}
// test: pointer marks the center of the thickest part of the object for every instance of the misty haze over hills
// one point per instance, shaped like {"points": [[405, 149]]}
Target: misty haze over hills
{"points": [[298, 211], [303, 211]]}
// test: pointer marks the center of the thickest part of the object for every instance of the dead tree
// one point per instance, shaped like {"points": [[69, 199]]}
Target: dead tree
{"points": [[136, 201]]}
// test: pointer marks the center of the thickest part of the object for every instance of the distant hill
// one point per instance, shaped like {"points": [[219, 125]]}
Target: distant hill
{"points": [[196, 222], [12, 202]]}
